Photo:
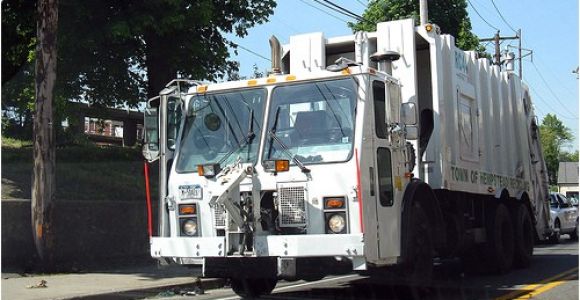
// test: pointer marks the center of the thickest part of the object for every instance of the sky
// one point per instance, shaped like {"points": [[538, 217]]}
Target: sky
{"points": [[549, 29]]}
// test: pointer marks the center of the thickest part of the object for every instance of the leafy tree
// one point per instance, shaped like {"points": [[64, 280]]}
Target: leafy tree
{"points": [[553, 134], [568, 156], [114, 53], [449, 15]]}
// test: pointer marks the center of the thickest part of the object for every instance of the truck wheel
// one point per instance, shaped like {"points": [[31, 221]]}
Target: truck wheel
{"points": [[253, 287], [500, 241], [555, 237], [417, 268], [524, 237]]}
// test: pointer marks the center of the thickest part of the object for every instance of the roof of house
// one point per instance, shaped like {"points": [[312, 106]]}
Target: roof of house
{"points": [[568, 172]]}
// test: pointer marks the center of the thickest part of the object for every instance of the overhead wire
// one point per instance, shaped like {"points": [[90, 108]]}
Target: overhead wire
{"points": [[322, 10], [252, 52], [480, 16], [552, 91], [361, 3], [340, 9], [501, 16]]}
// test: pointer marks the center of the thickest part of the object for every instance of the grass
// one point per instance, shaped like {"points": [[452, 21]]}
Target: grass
{"points": [[82, 173]]}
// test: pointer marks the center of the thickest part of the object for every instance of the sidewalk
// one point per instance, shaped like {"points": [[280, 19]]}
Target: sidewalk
{"points": [[81, 285]]}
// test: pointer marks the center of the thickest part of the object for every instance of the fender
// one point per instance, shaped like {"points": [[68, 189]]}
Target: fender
{"points": [[417, 190]]}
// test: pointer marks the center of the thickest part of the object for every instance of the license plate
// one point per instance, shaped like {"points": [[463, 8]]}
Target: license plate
{"points": [[190, 192]]}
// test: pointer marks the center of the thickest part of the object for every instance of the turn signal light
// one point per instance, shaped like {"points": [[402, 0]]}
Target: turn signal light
{"points": [[282, 165], [334, 202], [187, 209], [279, 165]]}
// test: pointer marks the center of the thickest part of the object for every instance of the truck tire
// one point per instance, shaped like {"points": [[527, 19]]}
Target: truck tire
{"points": [[524, 237], [500, 240], [253, 287], [418, 265]]}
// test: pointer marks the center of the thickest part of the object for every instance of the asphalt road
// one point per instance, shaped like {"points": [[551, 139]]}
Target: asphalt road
{"points": [[553, 275]]}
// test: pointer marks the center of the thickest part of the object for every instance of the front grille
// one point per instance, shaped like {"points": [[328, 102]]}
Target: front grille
{"points": [[219, 216], [292, 209]]}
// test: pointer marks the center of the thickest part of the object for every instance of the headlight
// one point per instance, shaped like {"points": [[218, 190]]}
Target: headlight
{"points": [[189, 227], [337, 223]]}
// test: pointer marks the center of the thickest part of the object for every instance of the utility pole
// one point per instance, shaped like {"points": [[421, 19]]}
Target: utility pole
{"points": [[43, 182], [496, 39]]}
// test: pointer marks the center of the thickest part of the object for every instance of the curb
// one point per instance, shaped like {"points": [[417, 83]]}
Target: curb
{"points": [[139, 293]]}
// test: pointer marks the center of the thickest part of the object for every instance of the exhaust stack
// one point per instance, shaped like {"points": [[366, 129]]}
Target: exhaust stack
{"points": [[276, 55]]}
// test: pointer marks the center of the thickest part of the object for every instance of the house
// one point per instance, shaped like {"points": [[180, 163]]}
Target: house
{"points": [[568, 179]]}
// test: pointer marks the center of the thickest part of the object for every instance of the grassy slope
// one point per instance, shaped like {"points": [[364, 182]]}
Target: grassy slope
{"points": [[82, 173]]}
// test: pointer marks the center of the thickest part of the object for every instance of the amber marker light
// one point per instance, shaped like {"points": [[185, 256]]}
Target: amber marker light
{"points": [[200, 170], [202, 89], [252, 82], [429, 27], [333, 202], [282, 165], [290, 77], [187, 209]]}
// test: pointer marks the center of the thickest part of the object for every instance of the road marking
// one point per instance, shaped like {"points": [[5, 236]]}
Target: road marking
{"points": [[287, 287], [310, 283], [546, 287], [531, 290]]}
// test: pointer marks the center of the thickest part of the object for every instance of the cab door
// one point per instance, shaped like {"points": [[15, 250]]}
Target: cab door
{"points": [[384, 171]]}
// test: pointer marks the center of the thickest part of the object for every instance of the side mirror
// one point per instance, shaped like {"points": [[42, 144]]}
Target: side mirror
{"points": [[408, 113], [150, 149], [411, 132]]}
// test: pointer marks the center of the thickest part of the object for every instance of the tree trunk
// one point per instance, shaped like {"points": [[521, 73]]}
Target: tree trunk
{"points": [[43, 183], [159, 70]]}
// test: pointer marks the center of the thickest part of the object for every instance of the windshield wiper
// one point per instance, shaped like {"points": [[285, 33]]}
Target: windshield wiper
{"points": [[286, 150], [247, 140]]}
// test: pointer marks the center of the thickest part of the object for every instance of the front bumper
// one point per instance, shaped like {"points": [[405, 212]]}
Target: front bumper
{"points": [[269, 245]]}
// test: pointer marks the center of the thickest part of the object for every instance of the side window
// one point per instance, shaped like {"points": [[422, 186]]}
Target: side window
{"points": [[173, 120], [379, 107], [385, 183], [554, 201]]}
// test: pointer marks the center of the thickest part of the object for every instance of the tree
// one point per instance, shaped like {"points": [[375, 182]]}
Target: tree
{"points": [[43, 184], [569, 156], [553, 134], [116, 53], [449, 15]]}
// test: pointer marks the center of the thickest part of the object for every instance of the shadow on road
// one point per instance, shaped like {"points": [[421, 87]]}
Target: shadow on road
{"points": [[453, 281]]}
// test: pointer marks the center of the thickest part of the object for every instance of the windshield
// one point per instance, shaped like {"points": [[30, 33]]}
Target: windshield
{"points": [[221, 128], [314, 121]]}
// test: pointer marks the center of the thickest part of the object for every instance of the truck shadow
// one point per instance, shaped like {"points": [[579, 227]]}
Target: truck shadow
{"points": [[452, 281]]}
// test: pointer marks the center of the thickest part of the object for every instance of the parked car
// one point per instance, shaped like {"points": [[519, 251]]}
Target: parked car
{"points": [[564, 215]]}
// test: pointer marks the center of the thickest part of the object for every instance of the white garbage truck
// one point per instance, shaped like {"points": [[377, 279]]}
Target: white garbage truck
{"points": [[374, 151]]}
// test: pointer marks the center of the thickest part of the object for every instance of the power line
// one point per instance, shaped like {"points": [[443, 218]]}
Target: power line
{"points": [[361, 3], [252, 52], [339, 9], [552, 91], [481, 17], [344, 9], [501, 16], [325, 12]]}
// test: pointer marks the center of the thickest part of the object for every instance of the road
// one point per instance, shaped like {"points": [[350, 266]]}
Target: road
{"points": [[553, 275]]}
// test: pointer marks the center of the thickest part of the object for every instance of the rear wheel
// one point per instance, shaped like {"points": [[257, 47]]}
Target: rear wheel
{"points": [[500, 240], [253, 287], [417, 268], [524, 237]]}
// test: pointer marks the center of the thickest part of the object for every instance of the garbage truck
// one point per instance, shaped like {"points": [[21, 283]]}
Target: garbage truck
{"points": [[381, 150]]}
